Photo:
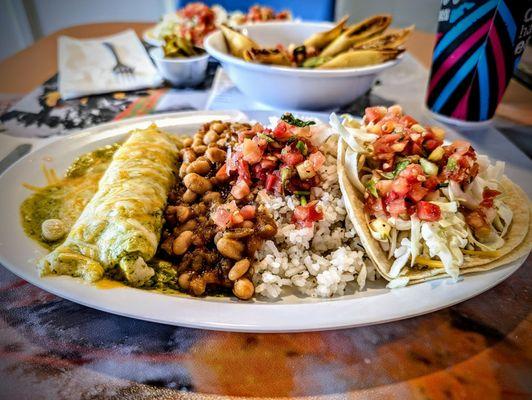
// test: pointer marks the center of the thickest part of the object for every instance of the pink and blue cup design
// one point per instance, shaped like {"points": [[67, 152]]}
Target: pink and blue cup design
{"points": [[478, 45]]}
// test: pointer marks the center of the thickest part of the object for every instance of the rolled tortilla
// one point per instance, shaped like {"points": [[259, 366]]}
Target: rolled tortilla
{"points": [[515, 245], [121, 225]]}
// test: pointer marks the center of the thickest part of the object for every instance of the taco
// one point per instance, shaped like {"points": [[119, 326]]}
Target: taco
{"points": [[425, 209]]}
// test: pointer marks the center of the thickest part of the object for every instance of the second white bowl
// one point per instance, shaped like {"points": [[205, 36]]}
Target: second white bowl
{"points": [[189, 71]]}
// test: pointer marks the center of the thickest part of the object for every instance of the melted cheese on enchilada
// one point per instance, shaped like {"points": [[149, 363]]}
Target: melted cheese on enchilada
{"points": [[121, 225]]}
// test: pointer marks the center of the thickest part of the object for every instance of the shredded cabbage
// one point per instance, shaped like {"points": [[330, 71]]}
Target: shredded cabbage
{"points": [[401, 254], [415, 239], [334, 121], [446, 243], [398, 282], [351, 165]]}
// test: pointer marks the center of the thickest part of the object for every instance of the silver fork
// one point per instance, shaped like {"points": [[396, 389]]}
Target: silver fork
{"points": [[120, 68]]}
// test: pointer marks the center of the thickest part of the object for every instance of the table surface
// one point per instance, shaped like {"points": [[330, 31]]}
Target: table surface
{"points": [[52, 348]]}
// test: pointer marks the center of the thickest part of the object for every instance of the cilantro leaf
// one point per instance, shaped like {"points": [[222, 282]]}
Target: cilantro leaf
{"points": [[291, 120]]}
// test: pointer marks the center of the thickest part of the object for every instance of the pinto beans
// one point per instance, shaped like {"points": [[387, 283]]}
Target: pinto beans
{"points": [[187, 142], [199, 149], [243, 289], [230, 248], [182, 213], [239, 269], [183, 169], [197, 285], [188, 155], [218, 127], [212, 197], [197, 183], [210, 137], [189, 196], [182, 242], [215, 154], [184, 280], [201, 167]]}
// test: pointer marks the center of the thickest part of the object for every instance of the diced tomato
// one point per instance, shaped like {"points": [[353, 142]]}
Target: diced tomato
{"points": [[383, 145], [240, 189], [374, 114], [221, 217], [243, 172], [400, 186], [397, 207], [428, 212], [417, 192], [408, 121], [317, 159], [431, 144], [251, 151], [282, 131], [431, 183], [248, 212], [270, 182], [306, 215], [291, 158], [416, 149], [411, 172], [268, 164], [487, 197], [226, 215], [222, 175], [384, 186]]}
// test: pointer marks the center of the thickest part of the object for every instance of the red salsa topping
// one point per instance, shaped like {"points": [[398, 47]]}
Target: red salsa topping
{"points": [[281, 161], [410, 162]]}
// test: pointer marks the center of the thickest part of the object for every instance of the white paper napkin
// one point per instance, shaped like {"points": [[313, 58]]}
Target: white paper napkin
{"points": [[86, 65]]}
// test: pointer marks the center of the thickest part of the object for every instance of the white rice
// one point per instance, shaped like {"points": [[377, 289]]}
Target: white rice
{"points": [[321, 261]]}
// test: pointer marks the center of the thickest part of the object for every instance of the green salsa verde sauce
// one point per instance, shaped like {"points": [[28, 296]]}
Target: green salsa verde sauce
{"points": [[65, 199]]}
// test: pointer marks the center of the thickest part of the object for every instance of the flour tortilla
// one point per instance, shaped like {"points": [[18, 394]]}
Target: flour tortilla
{"points": [[517, 239]]}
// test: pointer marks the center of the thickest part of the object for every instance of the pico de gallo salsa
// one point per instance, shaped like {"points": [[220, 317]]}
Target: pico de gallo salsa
{"points": [[410, 163], [282, 160]]}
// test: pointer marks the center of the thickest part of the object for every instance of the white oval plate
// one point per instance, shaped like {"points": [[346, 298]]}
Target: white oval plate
{"points": [[374, 305]]}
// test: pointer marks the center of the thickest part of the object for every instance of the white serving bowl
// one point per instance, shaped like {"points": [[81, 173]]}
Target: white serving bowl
{"points": [[292, 88], [189, 71]]}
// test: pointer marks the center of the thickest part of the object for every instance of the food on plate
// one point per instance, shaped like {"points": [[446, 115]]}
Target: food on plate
{"points": [[365, 43], [241, 208], [176, 46], [424, 208], [120, 226], [257, 209], [197, 20], [64, 198]]}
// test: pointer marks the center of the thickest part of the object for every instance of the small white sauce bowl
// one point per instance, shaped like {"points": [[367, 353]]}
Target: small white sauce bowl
{"points": [[182, 71], [292, 88]]}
